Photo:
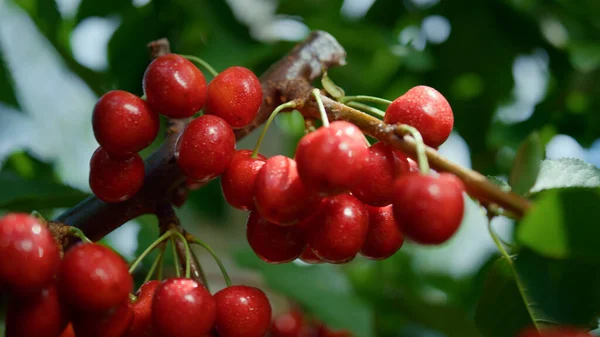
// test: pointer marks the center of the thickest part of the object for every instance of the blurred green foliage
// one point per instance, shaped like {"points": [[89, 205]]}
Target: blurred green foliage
{"points": [[473, 68]]}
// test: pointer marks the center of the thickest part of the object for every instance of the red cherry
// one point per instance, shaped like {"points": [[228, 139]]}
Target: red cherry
{"points": [[384, 237], [94, 278], [28, 252], [123, 123], [291, 324], [68, 331], [205, 148], [554, 332], [174, 86], [309, 256], [274, 243], [39, 315], [237, 182], [412, 165], [375, 185], [324, 331], [115, 179], [242, 311], [234, 95], [111, 323], [429, 209], [331, 158], [183, 308], [427, 110], [141, 325], [338, 229], [279, 195]]}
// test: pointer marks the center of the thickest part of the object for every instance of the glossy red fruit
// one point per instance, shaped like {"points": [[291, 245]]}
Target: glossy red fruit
{"points": [[384, 237], [237, 182], [274, 243], [555, 332], [205, 148], [234, 95], [111, 323], [28, 252], [309, 256], [375, 186], [141, 325], [331, 158], [279, 195], [427, 110], [324, 331], [94, 278], [242, 311], [39, 315], [174, 86], [123, 123], [412, 165], [290, 324], [429, 208], [115, 179], [183, 308], [338, 229]]}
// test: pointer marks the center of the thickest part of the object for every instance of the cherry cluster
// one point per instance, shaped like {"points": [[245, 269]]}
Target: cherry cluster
{"points": [[88, 293], [174, 87], [339, 196], [296, 324], [336, 198]]}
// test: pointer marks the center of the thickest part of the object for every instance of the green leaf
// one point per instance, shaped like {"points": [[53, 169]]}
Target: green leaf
{"points": [[25, 195], [533, 290], [321, 289], [527, 164], [566, 172], [563, 223], [501, 311], [562, 291]]}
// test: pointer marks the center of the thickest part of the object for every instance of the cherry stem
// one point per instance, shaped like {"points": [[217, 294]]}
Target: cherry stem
{"points": [[202, 276], [363, 98], [317, 94], [176, 258], [144, 97], [188, 257], [287, 105], [202, 63], [155, 264], [217, 260], [161, 263], [420, 146], [496, 210], [76, 232], [147, 251], [498, 243], [367, 108], [132, 298]]}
